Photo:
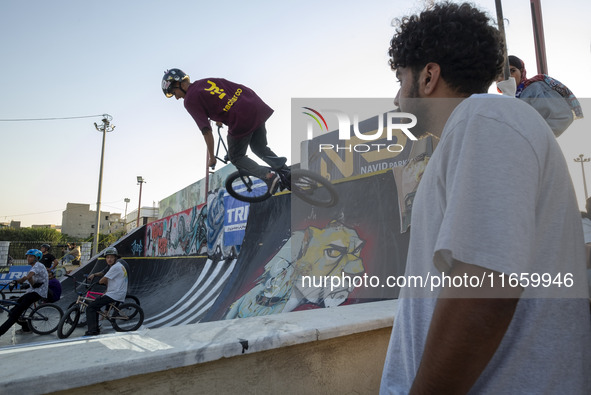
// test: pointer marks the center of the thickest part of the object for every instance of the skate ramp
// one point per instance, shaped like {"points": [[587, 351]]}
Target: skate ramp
{"points": [[285, 238]]}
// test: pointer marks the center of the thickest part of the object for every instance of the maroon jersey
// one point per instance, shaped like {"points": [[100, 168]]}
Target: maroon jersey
{"points": [[220, 100]]}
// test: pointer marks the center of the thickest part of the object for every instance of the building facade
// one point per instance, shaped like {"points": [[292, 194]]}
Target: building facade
{"points": [[78, 220], [147, 215]]}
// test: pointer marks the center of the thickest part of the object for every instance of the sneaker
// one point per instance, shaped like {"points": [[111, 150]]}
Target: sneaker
{"points": [[272, 181], [92, 333], [21, 332]]}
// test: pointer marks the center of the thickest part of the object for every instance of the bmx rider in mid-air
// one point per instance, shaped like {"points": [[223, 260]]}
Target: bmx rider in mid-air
{"points": [[236, 106]]}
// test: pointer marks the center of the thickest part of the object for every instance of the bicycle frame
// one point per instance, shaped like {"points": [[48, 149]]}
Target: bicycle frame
{"points": [[225, 160], [7, 304], [84, 300]]}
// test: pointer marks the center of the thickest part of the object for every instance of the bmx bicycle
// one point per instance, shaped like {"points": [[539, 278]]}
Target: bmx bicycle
{"points": [[42, 318], [305, 184], [92, 295], [124, 317]]}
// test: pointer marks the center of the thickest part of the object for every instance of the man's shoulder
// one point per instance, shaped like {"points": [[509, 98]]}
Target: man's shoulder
{"points": [[500, 106], [500, 112]]}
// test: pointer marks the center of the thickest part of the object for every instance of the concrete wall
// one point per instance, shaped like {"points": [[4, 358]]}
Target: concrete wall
{"points": [[4, 252], [344, 365], [334, 350]]}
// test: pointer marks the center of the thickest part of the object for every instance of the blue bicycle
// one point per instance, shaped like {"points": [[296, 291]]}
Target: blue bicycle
{"points": [[43, 318]]}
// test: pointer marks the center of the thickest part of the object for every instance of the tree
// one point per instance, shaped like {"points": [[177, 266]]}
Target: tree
{"points": [[106, 240], [50, 236]]}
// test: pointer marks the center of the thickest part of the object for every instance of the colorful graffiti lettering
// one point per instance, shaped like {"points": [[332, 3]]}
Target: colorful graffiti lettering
{"points": [[137, 248], [183, 233]]}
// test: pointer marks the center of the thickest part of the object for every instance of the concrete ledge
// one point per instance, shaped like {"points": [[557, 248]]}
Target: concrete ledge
{"points": [[71, 364]]}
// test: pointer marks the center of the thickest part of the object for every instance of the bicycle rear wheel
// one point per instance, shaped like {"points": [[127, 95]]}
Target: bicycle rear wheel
{"points": [[313, 188], [45, 318], [247, 188], [68, 322], [127, 317]]}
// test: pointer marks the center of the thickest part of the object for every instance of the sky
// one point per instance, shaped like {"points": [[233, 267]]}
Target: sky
{"points": [[66, 59]]}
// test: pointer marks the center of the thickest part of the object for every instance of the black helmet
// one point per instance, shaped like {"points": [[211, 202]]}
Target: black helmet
{"points": [[111, 251], [46, 246], [171, 76]]}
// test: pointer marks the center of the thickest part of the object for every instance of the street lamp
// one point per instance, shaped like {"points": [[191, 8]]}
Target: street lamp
{"points": [[140, 181], [582, 160], [103, 128]]}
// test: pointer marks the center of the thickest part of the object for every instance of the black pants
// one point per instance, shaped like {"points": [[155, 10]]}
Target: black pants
{"points": [[92, 312], [23, 304], [257, 141]]}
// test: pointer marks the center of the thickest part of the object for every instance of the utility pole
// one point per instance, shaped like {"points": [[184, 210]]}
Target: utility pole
{"points": [[501, 25], [140, 180], [582, 160], [126, 200], [103, 128], [540, 43]]}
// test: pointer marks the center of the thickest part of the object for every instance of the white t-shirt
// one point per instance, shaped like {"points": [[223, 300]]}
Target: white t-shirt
{"points": [[39, 276], [117, 285], [497, 194]]}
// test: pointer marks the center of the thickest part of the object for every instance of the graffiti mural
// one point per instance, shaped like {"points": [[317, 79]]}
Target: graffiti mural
{"points": [[313, 254], [222, 242], [193, 195], [295, 256], [180, 234]]}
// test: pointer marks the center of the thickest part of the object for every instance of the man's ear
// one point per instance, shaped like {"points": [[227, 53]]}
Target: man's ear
{"points": [[430, 78]]}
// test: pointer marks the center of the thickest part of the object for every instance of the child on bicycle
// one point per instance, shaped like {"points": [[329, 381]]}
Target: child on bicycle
{"points": [[38, 285], [234, 105], [116, 279]]}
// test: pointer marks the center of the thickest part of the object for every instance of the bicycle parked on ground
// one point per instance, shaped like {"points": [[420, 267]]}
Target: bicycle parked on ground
{"points": [[124, 317], [42, 318], [305, 184]]}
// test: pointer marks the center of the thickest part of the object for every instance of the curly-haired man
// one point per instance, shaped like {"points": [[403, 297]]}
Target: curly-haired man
{"points": [[495, 230]]}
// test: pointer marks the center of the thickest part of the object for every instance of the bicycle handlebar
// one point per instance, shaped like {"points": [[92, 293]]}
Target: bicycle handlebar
{"points": [[87, 285]]}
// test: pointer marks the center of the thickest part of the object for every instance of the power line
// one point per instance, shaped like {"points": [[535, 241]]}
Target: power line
{"points": [[52, 211], [23, 215], [52, 119]]}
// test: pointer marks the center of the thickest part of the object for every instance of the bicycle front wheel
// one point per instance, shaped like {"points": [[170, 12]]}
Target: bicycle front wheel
{"points": [[247, 188], [127, 317], [68, 322], [45, 318], [313, 188]]}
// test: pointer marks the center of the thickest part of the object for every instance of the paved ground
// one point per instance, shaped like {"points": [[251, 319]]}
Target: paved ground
{"points": [[12, 338]]}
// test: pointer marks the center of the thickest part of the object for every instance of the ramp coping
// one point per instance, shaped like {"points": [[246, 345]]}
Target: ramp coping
{"points": [[91, 360]]}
